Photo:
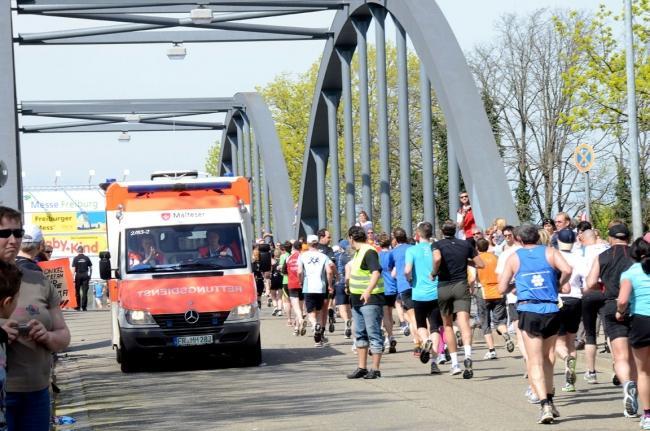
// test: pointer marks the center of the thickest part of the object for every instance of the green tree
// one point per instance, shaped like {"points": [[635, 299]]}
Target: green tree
{"points": [[212, 161]]}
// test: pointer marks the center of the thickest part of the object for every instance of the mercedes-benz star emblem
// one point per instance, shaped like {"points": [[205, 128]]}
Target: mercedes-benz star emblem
{"points": [[191, 316]]}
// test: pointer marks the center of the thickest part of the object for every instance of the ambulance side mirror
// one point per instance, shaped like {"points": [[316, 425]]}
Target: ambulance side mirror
{"points": [[265, 257], [105, 265]]}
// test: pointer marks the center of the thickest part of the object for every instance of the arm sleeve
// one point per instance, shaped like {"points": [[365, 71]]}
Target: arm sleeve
{"points": [[52, 296], [371, 261]]}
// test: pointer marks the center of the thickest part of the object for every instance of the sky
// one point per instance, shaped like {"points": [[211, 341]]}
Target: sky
{"points": [[209, 70]]}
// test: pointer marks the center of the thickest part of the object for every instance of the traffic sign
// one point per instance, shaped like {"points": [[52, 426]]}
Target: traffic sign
{"points": [[584, 157]]}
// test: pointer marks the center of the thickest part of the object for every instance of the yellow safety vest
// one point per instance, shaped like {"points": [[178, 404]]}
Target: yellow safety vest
{"points": [[360, 278]]}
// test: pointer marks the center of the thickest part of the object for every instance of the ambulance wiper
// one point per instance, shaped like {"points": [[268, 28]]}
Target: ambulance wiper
{"points": [[198, 265]]}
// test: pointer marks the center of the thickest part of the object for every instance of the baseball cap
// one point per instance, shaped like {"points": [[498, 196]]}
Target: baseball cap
{"points": [[33, 234], [548, 221], [565, 239], [311, 239], [619, 231], [344, 244]]}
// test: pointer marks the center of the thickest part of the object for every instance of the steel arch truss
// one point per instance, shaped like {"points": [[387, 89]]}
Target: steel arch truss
{"points": [[258, 157], [444, 65]]}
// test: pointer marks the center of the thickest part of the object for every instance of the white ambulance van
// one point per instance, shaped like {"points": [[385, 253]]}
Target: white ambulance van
{"points": [[179, 268]]}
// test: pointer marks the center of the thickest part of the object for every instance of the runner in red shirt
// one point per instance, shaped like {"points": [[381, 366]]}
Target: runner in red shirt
{"points": [[295, 289]]}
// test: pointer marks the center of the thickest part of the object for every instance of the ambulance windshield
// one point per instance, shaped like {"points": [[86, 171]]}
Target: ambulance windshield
{"points": [[198, 247]]}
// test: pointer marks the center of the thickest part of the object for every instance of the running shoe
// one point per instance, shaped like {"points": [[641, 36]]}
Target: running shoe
{"points": [[568, 387], [318, 344], [296, 332], [434, 368], [545, 415], [279, 313], [490, 355], [324, 339], [269, 302], [570, 370], [406, 330], [358, 373], [441, 360], [425, 354], [331, 320], [455, 370], [372, 374], [645, 422], [468, 372], [554, 410], [417, 350], [510, 345], [318, 336], [348, 329], [303, 327], [392, 345], [630, 401], [275, 312], [615, 380], [591, 377], [531, 396]]}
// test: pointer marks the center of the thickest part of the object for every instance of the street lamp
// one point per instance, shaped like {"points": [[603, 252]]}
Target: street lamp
{"points": [[125, 174], [57, 177], [91, 174], [124, 137], [177, 52]]}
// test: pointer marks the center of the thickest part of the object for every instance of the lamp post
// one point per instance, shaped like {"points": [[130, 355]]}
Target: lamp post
{"points": [[91, 174], [125, 174], [57, 177], [632, 135]]}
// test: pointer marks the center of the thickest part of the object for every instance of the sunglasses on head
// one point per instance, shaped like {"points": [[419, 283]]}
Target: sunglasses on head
{"points": [[6, 233]]}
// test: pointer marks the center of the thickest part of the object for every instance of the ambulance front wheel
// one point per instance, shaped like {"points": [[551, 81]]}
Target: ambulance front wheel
{"points": [[126, 359], [252, 356]]}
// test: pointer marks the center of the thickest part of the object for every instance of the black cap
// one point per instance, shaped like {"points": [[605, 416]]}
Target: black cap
{"points": [[619, 231], [548, 221], [566, 236]]}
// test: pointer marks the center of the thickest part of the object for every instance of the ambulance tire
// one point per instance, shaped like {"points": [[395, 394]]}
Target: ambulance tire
{"points": [[126, 359], [252, 356]]}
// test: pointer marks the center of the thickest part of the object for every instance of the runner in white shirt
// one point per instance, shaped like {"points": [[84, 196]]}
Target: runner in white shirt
{"points": [[315, 271]]}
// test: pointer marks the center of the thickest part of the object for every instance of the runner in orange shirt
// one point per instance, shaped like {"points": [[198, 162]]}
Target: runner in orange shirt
{"points": [[491, 304]]}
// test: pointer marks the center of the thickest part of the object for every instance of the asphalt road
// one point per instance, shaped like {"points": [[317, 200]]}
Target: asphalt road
{"points": [[300, 387]]}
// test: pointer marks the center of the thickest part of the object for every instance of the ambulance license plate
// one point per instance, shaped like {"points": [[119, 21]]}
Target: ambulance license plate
{"points": [[195, 340]]}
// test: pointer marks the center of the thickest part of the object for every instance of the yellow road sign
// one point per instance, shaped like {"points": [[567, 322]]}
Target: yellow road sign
{"points": [[584, 157]]}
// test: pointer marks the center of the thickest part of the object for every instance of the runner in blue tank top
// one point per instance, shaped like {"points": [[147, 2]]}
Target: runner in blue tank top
{"points": [[535, 271]]}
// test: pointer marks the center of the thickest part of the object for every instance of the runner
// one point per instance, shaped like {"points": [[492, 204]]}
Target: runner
{"points": [[534, 270], [295, 289], [404, 291], [324, 239], [490, 302], [315, 271], [635, 292], [286, 303], [341, 258], [390, 289], [608, 267], [418, 268], [367, 299], [450, 259]]}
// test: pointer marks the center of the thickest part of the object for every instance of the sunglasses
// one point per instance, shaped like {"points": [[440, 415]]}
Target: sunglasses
{"points": [[6, 233], [48, 252]]}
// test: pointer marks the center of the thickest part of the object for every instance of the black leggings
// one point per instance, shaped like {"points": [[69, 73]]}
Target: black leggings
{"points": [[592, 303]]}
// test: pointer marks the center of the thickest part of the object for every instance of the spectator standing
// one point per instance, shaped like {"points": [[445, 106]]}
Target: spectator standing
{"points": [[29, 359], [363, 221], [83, 269], [31, 246], [465, 217]]}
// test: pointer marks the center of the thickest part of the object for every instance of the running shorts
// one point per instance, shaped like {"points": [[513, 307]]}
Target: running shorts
{"points": [[259, 284], [539, 325], [407, 300], [570, 315], [454, 297], [296, 293], [513, 314], [491, 311], [342, 297], [613, 328], [427, 310], [639, 331], [390, 300], [314, 301]]}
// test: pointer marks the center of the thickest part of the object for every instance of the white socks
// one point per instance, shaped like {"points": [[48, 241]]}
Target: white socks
{"points": [[454, 359], [468, 351]]}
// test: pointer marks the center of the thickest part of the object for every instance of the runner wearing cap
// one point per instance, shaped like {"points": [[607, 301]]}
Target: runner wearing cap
{"points": [[315, 271], [608, 267]]}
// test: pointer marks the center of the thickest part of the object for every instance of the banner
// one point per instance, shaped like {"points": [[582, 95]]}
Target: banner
{"points": [[59, 273]]}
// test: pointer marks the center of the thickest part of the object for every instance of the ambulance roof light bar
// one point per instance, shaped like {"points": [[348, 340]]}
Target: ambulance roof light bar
{"points": [[179, 187], [175, 174]]}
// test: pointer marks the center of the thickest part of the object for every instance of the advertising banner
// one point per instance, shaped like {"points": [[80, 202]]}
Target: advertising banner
{"points": [[59, 273]]}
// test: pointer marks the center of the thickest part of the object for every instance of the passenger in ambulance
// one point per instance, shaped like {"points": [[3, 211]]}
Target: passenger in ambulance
{"points": [[146, 253], [215, 248]]}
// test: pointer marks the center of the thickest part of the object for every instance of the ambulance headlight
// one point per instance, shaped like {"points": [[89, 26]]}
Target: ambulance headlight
{"points": [[242, 312], [138, 317]]}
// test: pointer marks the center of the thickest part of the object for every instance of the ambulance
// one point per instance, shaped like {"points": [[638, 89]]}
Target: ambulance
{"points": [[179, 268]]}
